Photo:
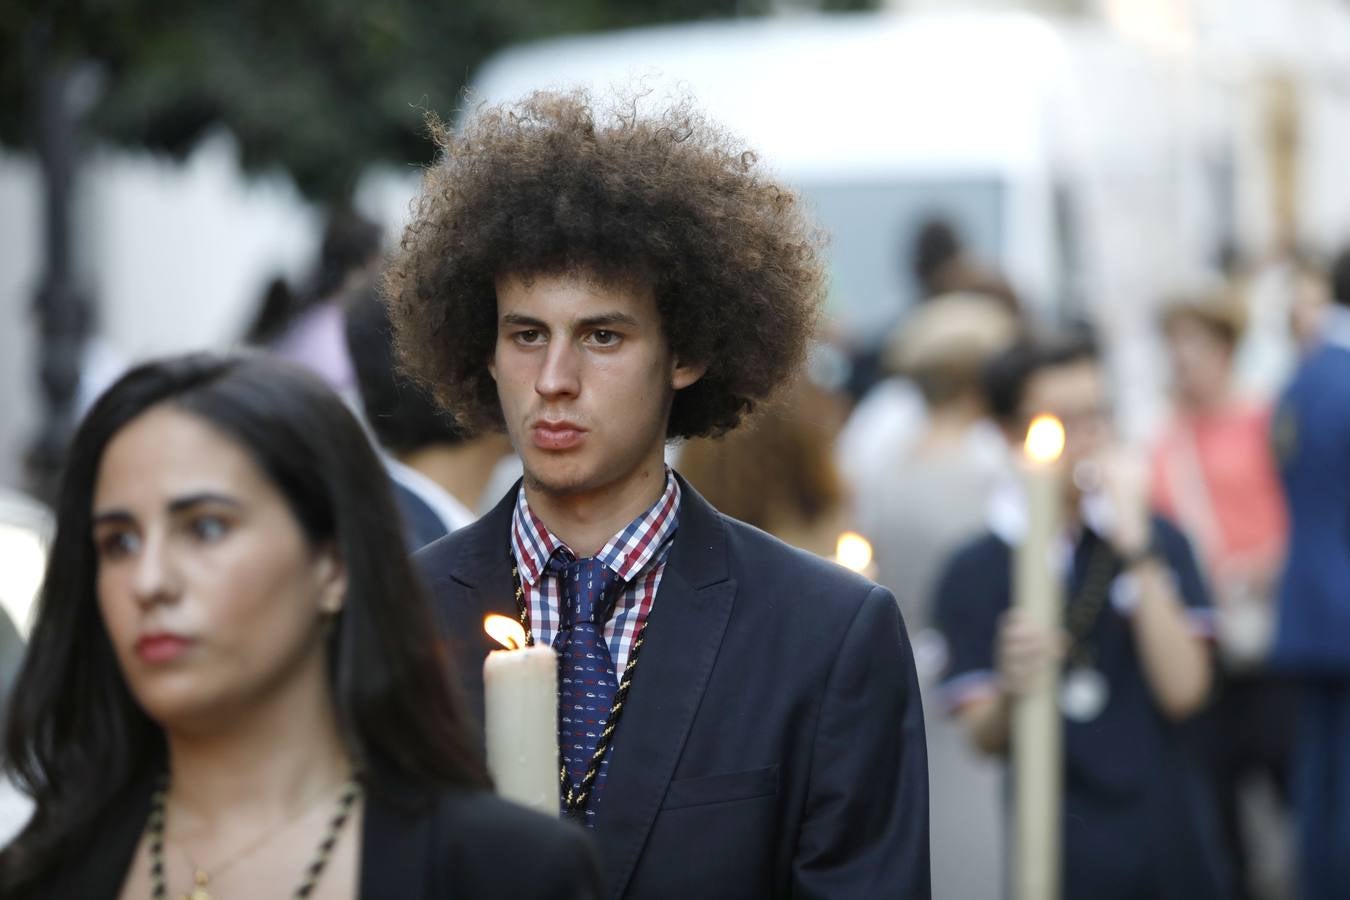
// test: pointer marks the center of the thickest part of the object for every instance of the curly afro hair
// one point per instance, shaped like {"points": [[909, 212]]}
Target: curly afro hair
{"points": [[548, 186]]}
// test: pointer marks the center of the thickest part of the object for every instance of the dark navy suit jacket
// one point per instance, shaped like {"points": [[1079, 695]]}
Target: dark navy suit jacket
{"points": [[773, 742]]}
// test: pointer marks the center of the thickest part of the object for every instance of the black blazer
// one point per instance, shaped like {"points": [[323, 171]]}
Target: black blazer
{"points": [[458, 844], [773, 743]]}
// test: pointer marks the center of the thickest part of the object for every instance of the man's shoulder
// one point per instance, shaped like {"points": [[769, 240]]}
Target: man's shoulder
{"points": [[1326, 369], [763, 564], [979, 551], [978, 573], [450, 555]]}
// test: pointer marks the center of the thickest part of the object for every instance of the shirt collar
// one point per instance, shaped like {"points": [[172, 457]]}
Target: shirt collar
{"points": [[1007, 513], [453, 514], [630, 551], [1336, 329]]}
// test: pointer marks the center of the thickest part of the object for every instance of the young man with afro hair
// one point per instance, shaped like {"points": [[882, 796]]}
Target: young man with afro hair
{"points": [[736, 718]]}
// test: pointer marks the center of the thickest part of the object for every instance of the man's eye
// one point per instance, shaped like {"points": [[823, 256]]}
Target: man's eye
{"points": [[529, 336], [208, 528], [604, 338]]}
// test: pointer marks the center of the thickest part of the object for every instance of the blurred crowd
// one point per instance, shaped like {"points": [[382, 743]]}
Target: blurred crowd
{"points": [[924, 462]]}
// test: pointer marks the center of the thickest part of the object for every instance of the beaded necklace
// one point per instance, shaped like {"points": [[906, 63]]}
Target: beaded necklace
{"points": [[201, 879]]}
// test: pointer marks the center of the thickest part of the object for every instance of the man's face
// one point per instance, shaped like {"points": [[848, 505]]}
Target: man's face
{"points": [[1076, 395], [585, 377]]}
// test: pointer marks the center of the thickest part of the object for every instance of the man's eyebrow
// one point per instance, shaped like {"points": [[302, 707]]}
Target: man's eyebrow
{"points": [[600, 320], [610, 318], [518, 319]]}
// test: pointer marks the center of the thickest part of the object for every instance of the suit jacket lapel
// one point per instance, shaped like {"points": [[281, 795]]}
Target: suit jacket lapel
{"points": [[688, 620], [483, 567]]}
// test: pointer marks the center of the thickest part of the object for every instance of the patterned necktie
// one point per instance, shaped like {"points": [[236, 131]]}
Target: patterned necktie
{"points": [[586, 669]]}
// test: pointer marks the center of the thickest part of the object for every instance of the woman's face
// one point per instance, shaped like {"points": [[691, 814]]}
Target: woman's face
{"points": [[211, 594], [1201, 361]]}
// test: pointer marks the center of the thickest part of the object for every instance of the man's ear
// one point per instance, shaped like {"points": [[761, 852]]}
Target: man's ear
{"points": [[685, 374], [492, 363]]}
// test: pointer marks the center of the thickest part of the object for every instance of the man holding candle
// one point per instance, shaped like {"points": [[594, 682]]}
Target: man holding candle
{"points": [[1135, 658], [737, 718]]}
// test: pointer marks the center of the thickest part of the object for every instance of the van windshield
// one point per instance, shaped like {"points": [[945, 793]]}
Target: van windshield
{"points": [[871, 227]]}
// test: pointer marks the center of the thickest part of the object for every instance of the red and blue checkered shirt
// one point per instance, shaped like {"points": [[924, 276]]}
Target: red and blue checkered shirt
{"points": [[637, 554]]}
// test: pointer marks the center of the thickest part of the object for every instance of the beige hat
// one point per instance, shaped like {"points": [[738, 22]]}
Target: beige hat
{"points": [[952, 333]]}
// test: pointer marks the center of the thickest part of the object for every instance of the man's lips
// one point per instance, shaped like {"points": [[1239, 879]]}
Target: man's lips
{"points": [[162, 647], [561, 435]]}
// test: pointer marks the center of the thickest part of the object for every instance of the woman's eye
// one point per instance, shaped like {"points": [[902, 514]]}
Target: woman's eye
{"points": [[117, 544], [208, 528]]}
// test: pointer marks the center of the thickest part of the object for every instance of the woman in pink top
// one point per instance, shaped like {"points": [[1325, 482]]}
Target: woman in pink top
{"points": [[1214, 474]]}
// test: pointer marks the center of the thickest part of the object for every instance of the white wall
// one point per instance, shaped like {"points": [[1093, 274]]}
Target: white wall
{"points": [[175, 256]]}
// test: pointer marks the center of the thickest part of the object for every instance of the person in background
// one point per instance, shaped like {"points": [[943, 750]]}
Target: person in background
{"points": [[934, 494], [233, 685], [311, 335], [890, 414], [943, 264], [438, 468], [932, 499], [1309, 301], [1311, 434], [778, 472], [1214, 475], [1138, 818]]}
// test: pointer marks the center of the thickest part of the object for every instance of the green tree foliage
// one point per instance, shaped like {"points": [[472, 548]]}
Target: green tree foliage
{"points": [[320, 88]]}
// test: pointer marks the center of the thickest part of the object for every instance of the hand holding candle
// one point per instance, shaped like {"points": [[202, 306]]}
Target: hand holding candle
{"points": [[520, 687]]}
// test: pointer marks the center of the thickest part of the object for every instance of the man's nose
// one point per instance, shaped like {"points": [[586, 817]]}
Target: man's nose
{"points": [[560, 374]]}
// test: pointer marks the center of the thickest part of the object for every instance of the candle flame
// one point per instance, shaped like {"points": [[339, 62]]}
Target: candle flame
{"points": [[1045, 439], [853, 551], [505, 631]]}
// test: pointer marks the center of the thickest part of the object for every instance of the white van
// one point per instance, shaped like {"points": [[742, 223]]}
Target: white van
{"points": [[1096, 174]]}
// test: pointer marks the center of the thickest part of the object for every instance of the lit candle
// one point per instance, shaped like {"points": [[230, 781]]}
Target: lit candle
{"points": [[1037, 739], [520, 695], [853, 551]]}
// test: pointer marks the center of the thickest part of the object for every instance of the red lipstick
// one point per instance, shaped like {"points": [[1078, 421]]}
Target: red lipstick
{"points": [[162, 647]]}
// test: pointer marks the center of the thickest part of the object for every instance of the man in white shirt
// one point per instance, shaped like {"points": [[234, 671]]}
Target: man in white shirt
{"points": [[437, 469]]}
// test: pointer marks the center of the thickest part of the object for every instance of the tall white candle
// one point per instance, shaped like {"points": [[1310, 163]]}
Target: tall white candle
{"points": [[1037, 732], [520, 693]]}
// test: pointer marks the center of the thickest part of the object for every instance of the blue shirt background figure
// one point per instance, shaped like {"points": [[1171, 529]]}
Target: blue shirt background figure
{"points": [[1311, 433]]}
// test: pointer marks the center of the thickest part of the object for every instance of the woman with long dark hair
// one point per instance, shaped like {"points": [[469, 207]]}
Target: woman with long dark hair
{"points": [[233, 687]]}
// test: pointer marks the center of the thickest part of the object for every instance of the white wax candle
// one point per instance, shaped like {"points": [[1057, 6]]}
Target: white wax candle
{"points": [[1037, 732], [521, 709]]}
